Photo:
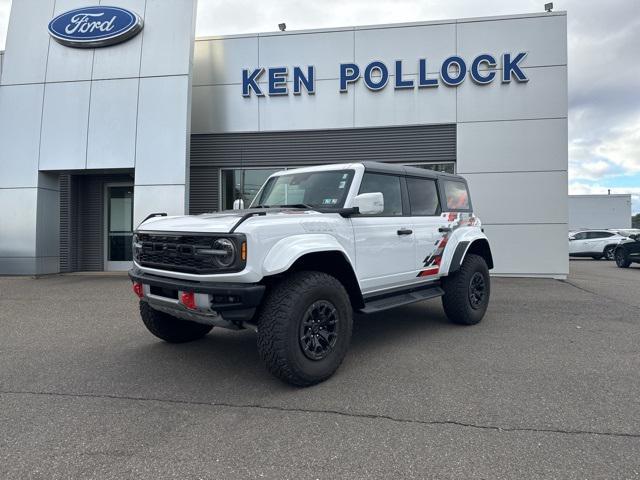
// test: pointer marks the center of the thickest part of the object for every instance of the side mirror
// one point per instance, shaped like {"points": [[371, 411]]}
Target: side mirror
{"points": [[369, 203], [571, 239]]}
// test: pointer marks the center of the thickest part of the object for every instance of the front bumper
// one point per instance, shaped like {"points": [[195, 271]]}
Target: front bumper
{"points": [[228, 305]]}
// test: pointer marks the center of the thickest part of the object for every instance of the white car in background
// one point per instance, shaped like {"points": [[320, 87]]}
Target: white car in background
{"points": [[594, 243]]}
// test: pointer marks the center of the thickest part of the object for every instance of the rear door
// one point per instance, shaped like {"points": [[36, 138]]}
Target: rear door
{"points": [[385, 243], [424, 202]]}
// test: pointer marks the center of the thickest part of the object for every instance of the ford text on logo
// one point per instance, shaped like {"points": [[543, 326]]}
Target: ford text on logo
{"points": [[483, 69], [92, 27]]}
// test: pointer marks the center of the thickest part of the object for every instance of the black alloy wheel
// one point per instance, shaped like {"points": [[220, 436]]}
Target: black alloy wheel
{"points": [[477, 290], [319, 330]]}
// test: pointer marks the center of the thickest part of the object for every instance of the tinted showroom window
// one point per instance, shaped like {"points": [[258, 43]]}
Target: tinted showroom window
{"points": [[389, 186], [423, 196], [456, 195]]}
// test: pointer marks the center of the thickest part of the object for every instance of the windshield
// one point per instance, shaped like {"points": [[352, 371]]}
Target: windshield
{"points": [[324, 189]]}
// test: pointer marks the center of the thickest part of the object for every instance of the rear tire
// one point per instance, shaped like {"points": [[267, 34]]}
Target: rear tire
{"points": [[171, 329], [304, 329], [467, 291], [609, 252], [622, 259]]}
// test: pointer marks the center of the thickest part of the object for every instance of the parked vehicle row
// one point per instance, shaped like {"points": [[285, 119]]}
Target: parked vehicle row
{"points": [[596, 244], [621, 245]]}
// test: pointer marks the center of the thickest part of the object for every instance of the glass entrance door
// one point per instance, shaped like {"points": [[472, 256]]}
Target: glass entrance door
{"points": [[118, 226]]}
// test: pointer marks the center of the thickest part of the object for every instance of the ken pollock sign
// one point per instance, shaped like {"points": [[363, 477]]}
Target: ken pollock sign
{"points": [[483, 69], [92, 27]]}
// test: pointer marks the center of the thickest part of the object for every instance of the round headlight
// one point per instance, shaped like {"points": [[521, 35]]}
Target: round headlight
{"points": [[226, 259]]}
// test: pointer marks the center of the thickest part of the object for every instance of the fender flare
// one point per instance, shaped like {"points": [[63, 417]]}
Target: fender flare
{"points": [[463, 246], [286, 251]]}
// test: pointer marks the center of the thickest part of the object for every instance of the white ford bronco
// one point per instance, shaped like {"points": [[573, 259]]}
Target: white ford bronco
{"points": [[316, 245]]}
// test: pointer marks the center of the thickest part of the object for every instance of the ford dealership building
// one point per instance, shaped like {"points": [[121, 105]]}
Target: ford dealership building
{"points": [[109, 114]]}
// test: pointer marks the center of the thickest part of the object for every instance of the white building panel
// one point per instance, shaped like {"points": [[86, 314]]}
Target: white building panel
{"points": [[325, 50], [531, 197], [158, 198], [511, 146], [27, 47], [599, 211], [543, 37], [402, 107], [220, 61], [69, 64], [409, 44], [221, 108], [163, 128], [18, 208], [122, 60], [168, 38], [543, 96], [529, 250], [112, 124], [65, 115], [325, 109], [20, 114]]}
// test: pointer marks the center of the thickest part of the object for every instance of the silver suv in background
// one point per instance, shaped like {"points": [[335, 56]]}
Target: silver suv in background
{"points": [[596, 244]]}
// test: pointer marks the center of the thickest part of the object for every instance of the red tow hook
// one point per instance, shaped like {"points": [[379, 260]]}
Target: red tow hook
{"points": [[137, 289], [188, 299]]}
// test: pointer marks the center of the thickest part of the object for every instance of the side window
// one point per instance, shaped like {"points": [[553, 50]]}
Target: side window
{"points": [[596, 235], [580, 236], [456, 195], [389, 186], [423, 196]]}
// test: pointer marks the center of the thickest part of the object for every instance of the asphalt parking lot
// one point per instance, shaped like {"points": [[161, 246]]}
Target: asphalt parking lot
{"points": [[547, 386]]}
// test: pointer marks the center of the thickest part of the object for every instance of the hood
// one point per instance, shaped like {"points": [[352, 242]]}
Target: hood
{"points": [[221, 222]]}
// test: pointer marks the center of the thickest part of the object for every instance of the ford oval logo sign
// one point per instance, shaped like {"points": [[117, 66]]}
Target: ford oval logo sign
{"points": [[92, 27]]}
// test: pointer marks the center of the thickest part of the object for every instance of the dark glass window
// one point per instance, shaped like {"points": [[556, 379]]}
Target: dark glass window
{"points": [[389, 186], [456, 195], [327, 188], [423, 196]]}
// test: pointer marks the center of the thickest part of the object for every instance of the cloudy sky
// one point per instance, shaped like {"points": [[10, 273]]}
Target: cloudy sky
{"points": [[604, 65]]}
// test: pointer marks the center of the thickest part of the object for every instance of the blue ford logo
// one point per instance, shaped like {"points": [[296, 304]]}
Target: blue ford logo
{"points": [[92, 27]]}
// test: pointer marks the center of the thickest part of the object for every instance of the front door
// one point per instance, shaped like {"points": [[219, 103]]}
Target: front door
{"points": [[118, 226], [385, 243]]}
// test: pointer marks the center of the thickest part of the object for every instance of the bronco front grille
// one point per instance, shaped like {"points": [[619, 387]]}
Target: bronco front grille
{"points": [[178, 253]]}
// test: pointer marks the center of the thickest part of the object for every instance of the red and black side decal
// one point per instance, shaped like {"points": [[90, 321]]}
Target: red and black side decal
{"points": [[434, 259]]}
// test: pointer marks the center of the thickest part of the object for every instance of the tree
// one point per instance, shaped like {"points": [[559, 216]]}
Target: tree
{"points": [[635, 221]]}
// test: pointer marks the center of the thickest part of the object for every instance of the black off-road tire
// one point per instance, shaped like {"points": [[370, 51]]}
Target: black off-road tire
{"points": [[622, 259], [284, 309], [171, 329], [457, 300]]}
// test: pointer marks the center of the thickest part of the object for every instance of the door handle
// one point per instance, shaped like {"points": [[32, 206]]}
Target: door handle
{"points": [[405, 231], [444, 229]]}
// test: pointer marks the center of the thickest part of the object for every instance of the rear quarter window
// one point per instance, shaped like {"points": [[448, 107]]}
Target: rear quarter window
{"points": [[456, 195]]}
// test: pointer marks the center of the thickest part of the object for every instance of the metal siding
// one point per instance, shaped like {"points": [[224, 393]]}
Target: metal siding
{"points": [[82, 221], [409, 144]]}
